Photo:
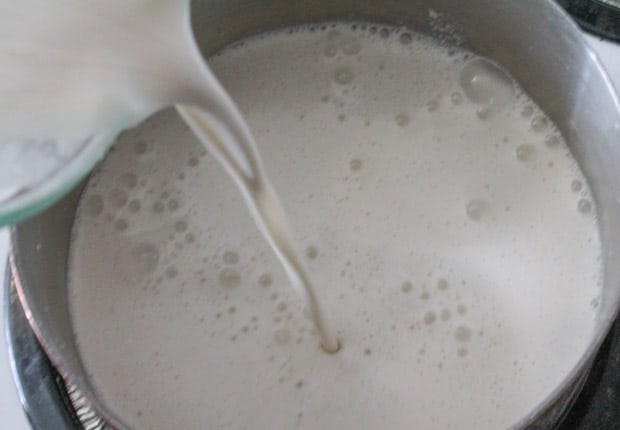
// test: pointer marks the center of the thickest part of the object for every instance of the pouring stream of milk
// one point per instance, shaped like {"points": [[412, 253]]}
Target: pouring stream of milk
{"points": [[238, 154], [64, 87]]}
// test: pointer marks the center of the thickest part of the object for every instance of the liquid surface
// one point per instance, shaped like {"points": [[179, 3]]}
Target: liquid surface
{"points": [[449, 232]]}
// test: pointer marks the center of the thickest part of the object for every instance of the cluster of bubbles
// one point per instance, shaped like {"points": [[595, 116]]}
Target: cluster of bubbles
{"points": [[462, 333], [489, 86], [541, 125], [343, 45], [482, 83]]}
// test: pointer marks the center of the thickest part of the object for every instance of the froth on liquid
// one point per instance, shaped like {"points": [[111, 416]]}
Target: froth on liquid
{"points": [[433, 200]]}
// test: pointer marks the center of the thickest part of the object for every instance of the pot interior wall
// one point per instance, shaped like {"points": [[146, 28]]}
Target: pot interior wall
{"points": [[532, 38]]}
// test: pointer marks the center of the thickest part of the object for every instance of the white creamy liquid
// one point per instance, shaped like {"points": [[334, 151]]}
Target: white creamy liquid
{"points": [[449, 233]]}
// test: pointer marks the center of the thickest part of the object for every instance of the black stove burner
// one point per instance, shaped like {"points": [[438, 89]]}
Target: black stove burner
{"points": [[598, 405], [51, 404], [601, 17]]}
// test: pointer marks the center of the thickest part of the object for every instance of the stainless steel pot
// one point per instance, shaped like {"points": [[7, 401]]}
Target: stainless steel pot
{"points": [[533, 39]]}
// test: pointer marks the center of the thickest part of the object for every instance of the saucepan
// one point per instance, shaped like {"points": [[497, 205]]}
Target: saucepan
{"points": [[533, 39]]}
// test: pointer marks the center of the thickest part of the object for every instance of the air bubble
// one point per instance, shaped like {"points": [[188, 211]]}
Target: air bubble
{"points": [[120, 225], [539, 123], [118, 198], [584, 206], [476, 209], [526, 152], [552, 141], [229, 278], [312, 252], [527, 111], [405, 39], [265, 280], [94, 205], [355, 164], [230, 257], [402, 119], [145, 258], [576, 185], [462, 333], [193, 162], [429, 318], [344, 76], [456, 98], [486, 84]]}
